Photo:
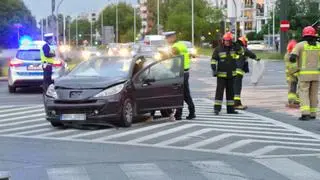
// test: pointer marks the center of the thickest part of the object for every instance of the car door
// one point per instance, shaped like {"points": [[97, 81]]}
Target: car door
{"points": [[160, 85]]}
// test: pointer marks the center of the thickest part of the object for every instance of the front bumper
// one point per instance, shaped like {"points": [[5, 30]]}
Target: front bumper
{"points": [[96, 111]]}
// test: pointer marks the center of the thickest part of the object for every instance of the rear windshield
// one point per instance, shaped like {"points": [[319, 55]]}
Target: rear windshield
{"points": [[32, 55]]}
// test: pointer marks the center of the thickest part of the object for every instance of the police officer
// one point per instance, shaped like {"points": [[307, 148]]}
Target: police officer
{"points": [[291, 77], [47, 55], [242, 68], [179, 48], [223, 65], [307, 54]]}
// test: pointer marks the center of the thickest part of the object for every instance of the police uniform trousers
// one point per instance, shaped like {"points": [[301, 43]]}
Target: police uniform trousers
{"points": [[224, 84], [47, 77], [237, 89], [187, 97], [308, 93]]}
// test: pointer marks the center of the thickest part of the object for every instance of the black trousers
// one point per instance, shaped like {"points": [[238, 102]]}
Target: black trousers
{"points": [[224, 84], [47, 77], [237, 89], [187, 97]]}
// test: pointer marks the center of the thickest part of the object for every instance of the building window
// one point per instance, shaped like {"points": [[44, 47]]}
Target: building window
{"points": [[248, 26], [260, 7], [248, 3]]}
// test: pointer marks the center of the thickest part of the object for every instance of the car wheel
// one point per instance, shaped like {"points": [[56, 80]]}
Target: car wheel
{"points": [[12, 89], [166, 112], [57, 124], [127, 113]]}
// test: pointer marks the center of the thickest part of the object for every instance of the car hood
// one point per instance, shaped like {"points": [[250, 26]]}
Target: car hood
{"points": [[76, 82]]}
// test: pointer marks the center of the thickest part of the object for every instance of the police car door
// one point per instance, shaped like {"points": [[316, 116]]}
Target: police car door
{"points": [[160, 85]]}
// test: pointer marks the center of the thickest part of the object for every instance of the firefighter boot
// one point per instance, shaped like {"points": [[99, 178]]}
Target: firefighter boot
{"points": [[305, 118], [238, 105], [230, 110]]}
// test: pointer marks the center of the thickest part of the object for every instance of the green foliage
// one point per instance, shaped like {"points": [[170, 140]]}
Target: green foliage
{"points": [[84, 30], [12, 12]]}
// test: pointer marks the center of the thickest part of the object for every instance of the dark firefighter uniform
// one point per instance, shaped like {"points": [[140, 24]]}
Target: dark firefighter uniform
{"points": [[291, 77], [306, 54], [47, 54], [242, 68], [179, 48], [223, 64]]}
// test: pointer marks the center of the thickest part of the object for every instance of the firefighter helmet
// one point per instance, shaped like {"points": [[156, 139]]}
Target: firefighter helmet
{"points": [[291, 45], [309, 31], [228, 36], [243, 40]]}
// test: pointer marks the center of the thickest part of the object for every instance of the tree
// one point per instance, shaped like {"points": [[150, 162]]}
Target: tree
{"points": [[13, 12], [84, 30], [125, 23]]}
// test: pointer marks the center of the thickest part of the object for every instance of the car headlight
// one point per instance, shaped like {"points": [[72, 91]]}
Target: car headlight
{"points": [[110, 91], [51, 92]]}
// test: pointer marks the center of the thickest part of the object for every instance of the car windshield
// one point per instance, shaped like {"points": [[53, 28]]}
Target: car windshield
{"points": [[32, 55], [109, 67]]}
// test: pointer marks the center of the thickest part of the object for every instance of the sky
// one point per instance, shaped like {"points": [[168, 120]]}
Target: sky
{"points": [[42, 8]]}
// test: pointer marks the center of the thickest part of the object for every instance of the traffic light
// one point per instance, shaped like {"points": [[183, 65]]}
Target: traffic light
{"points": [[93, 17]]}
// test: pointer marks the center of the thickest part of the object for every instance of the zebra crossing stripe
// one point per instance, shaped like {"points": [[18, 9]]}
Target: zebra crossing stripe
{"points": [[219, 119], [218, 170], [19, 109], [5, 175], [23, 117], [58, 132], [32, 131], [19, 113], [72, 173], [290, 169], [88, 133], [233, 123], [20, 122], [146, 171], [24, 127]]}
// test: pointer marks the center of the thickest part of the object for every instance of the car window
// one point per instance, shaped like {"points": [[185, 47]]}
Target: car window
{"points": [[167, 69], [103, 67], [32, 55]]}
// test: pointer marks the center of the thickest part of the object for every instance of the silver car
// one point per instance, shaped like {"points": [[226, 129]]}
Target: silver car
{"points": [[25, 69]]}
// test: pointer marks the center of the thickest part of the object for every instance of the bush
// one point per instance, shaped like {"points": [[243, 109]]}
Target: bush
{"points": [[251, 36]]}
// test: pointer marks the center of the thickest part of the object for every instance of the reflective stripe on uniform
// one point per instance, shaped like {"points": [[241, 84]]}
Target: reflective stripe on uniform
{"points": [[222, 74], [305, 108], [230, 103], [311, 72], [237, 98], [213, 61], [292, 96], [218, 102], [234, 73], [240, 71], [313, 110]]}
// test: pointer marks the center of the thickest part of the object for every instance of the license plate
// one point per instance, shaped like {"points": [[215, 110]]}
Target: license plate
{"points": [[34, 68], [73, 117]]}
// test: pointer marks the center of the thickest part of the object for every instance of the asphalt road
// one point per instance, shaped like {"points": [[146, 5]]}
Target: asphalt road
{"points": [[265, 142]]}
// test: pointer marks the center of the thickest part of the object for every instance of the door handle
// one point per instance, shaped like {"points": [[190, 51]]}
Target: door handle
{"points": [[176, 85], [145, 84]]}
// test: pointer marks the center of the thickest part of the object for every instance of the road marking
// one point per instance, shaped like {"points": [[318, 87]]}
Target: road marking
{"points": [[183, 137], [164, 132], [290, 169], [207, 141], [136, 131], [71, 173], [22, 117], [5, 174], [19, 109], [234, 123], [218, 170], [21, 122], [33, 131], [19, 113], [211, 119], [88, 133], [58, 132], [147, 171], [23, 128], [268, 149]]}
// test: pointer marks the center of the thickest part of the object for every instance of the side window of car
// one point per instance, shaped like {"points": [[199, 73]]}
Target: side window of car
{"points": [[167, 69]]}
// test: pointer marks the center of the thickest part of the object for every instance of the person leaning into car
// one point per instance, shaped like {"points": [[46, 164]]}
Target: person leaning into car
{"points": [[179, 48], [47, 60]]}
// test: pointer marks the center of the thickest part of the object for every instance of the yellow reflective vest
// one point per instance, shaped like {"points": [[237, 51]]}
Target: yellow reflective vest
{"points": [[183, 50], [45, 59]]}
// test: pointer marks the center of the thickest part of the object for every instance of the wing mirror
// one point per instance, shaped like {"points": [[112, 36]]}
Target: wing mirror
{"points": [[149, 80]]}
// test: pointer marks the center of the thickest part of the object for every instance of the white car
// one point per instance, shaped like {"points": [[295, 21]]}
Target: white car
{"points": [[257, 46], [25, 69]]}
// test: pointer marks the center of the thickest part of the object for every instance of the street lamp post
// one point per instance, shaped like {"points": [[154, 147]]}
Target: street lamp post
{"points": [[158, 16], [64, 29], [117, 22], [57, 20], [273, 25], [135, 23], [192, 9], [77, 31], [236, 8]]}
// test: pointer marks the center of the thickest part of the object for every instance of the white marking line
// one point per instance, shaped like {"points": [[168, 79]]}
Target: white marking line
{"points": [[290, 169], [19, 109], [23, 117], [20, 113], [183, 137], [20, 122], [23, 128], [218, 170], [207, 119], [33, 131], [5, 174], [57, 132], [162, 133], [227, 135], [212, 116], [136, 131], [76, 173], [88, 133], [147, 171], [233, 123], [268, 149]]}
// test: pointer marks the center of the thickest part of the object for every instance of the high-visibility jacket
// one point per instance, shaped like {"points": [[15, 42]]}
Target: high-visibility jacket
{"points": [[224, 61], [291, 69], [45, 59], [183, 50], [308, 61]]}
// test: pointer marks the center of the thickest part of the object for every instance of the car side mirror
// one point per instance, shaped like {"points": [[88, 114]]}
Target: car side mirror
{"points": [[149, 80]]}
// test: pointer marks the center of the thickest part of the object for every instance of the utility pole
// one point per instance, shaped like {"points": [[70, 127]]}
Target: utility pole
{"points": [[192, 9], [42, 29], [69, 31], [64, 29], [273, 24], [117, 23], [158, 16], [77, 31], [283, 16], [135, 23]]}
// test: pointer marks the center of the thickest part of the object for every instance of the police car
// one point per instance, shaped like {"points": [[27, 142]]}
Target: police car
{"points": [[25, 69]]}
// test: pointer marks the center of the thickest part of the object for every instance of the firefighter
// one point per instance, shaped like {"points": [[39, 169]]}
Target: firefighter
{"points": [[291, 77], [179, 48], [242, 68], [47, 55], [223, 64], [306, 54]]}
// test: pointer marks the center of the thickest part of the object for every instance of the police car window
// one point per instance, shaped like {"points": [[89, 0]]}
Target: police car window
{"points": [[32, 55], [163, 70]]}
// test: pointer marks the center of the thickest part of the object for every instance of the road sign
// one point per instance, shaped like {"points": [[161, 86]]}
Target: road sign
{"points": [[284, 25]]}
